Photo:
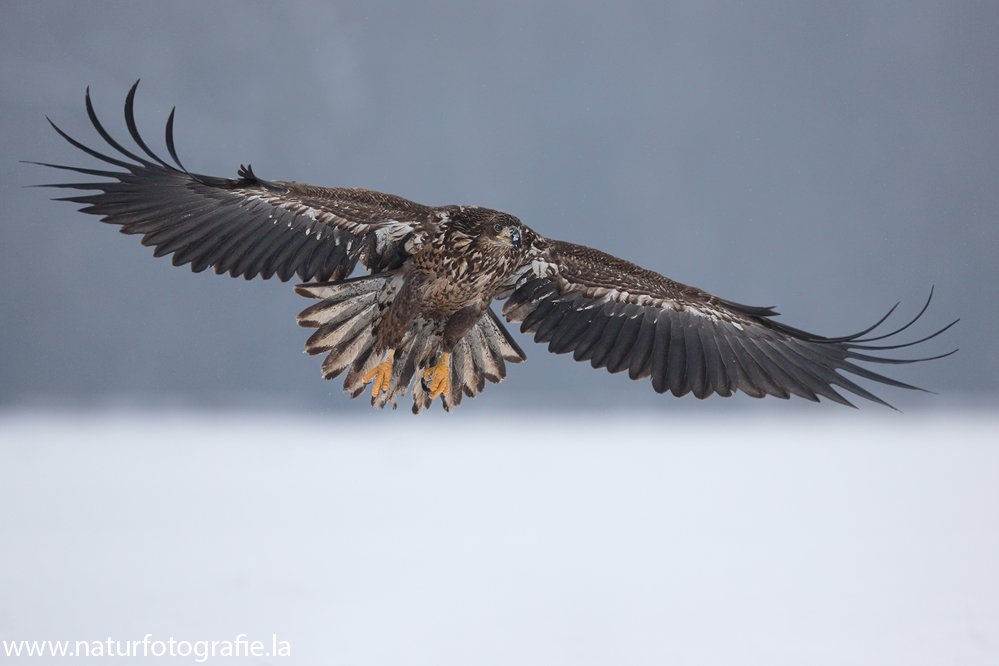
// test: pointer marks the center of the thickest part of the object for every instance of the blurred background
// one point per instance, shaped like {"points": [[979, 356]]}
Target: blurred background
{"points": [[830, 161], [171, 462]]}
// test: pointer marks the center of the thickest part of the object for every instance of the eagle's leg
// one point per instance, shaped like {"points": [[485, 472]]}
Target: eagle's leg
{"points": [[382, 374], [437, 379]]}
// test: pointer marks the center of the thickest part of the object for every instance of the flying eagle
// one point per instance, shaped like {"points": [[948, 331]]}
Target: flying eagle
{"points": [[422, 311]]}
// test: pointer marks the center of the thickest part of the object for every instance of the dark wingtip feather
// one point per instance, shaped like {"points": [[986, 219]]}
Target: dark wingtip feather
{"points": [[133, 130], [804, 335], [106, 136], [169, 140], [905, 344], [896, 332], [90, 151]]}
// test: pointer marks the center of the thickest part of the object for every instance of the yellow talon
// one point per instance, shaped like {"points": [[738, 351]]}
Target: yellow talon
{"points": [[382, 375], [439, 376]]}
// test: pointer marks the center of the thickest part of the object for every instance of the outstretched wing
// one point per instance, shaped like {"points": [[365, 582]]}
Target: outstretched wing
{"points": [[619, 316], [245, 226]]}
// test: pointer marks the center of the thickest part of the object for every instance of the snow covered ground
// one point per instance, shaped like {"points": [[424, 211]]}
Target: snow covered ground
{"points": [[850, 538]]}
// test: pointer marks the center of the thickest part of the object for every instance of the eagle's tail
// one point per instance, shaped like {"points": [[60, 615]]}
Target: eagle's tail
{"points": [[345, 315], [346, 318], [482, 354]]}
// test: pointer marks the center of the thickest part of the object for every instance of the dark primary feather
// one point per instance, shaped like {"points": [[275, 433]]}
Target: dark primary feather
{"points": [[243, 226], [617, 315]]}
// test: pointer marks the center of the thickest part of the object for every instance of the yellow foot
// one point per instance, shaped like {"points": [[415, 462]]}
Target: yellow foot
{"points": [[437, 379], [382, 374]]}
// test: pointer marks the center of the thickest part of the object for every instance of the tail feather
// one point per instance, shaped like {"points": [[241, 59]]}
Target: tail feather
{"points": [[485, 363], [333, 335], [348, 349], [412, 355], [482, 354], [500, 340], [464, 369], [346, 318], [329, 310]]}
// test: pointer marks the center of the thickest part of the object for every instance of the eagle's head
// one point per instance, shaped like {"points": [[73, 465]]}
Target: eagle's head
{"points": [[504, 230], [489, 231]]}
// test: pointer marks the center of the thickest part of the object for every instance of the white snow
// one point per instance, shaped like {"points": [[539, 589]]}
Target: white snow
{"points": [[614, 539]]}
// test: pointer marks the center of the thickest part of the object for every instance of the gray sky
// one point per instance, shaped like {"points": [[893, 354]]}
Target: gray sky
{"points": [[828, 160]]}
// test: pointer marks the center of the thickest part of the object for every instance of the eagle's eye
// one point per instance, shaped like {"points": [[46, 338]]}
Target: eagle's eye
{"points": [[497, 228]]}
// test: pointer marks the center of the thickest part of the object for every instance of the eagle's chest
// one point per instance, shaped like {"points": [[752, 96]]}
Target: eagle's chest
{"points": [[459, 273]]}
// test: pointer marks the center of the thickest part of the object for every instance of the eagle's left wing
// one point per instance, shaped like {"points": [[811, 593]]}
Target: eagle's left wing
{"points": [[619, 316]]}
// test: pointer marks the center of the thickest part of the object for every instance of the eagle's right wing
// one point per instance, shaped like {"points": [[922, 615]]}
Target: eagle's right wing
{"points": [[246, 226]]}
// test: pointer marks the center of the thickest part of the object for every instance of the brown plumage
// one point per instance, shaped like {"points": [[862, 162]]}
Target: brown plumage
{"points": [[421, 317]]}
